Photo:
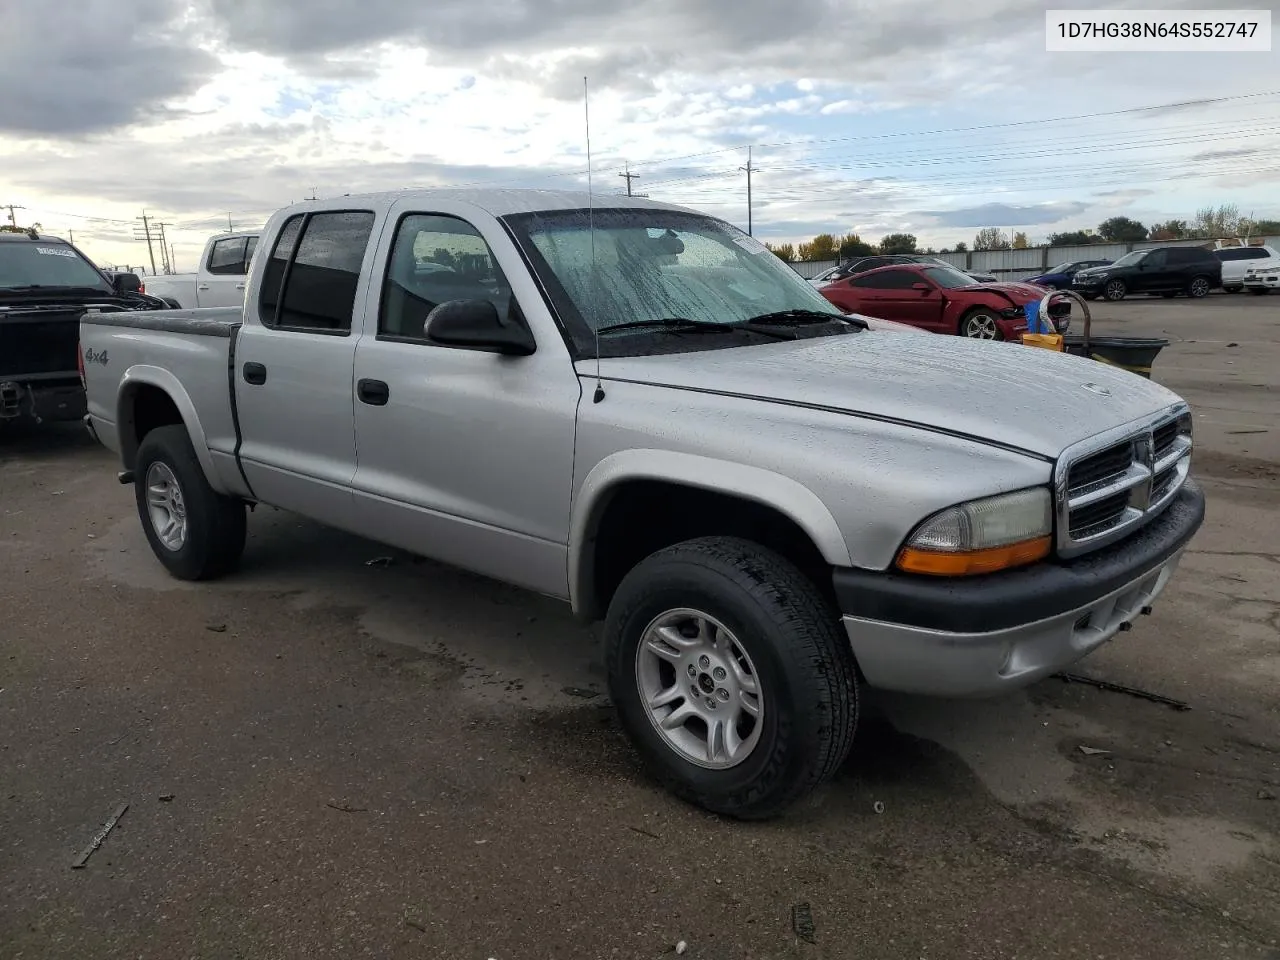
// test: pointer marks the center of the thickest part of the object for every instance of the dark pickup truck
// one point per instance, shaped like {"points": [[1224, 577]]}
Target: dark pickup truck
{"points": [[46, 285]]}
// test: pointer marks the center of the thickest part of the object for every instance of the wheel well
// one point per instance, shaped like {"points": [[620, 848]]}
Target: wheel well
{"points": [[643, 516], [145, 408]]}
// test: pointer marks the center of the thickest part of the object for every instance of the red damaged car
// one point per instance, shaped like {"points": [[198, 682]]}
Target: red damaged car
{"points": [[942, 300]]}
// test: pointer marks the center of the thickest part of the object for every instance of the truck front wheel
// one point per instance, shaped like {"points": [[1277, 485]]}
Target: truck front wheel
{"points": [[197, 533], [731, 675]]}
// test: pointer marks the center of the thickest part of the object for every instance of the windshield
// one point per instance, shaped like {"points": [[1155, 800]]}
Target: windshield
{"points": [[948, 277], [647, 265], [1061, 268], [1129, 259], [51, 264]]}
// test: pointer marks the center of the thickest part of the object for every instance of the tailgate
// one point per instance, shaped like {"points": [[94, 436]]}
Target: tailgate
{"points": [[39, 343]]}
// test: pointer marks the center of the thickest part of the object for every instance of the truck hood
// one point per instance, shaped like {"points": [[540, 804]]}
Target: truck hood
{"points": [[1035, 400]]}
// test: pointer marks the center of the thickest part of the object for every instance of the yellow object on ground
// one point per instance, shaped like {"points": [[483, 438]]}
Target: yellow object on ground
{"points": [[1046, 341]]}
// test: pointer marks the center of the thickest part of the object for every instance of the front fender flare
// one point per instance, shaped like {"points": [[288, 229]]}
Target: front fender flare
{"points": [[787, 496], [143, 374]]}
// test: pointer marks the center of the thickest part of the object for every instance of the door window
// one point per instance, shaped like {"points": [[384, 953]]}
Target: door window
{"points": [[1156, 258], [889, 280], [310, 282], [436, 259], [227, 257]]}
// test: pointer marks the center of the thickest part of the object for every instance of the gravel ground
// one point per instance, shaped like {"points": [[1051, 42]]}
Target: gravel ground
{"points": [[324, 758]]}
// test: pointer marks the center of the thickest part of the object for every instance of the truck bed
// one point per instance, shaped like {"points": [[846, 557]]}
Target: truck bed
{"points": [[188, 354]]}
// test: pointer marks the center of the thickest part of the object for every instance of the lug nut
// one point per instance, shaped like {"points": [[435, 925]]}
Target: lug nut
{"points": [[723, 694], [719, 673], [693, 671], [704, 661], [711, 703]]}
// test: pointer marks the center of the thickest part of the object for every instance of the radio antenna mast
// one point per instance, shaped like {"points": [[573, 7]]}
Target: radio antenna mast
{"points": [[594, 319]]}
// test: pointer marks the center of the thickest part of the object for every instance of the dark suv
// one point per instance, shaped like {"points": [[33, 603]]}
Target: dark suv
{"points": [[1167, 271]]}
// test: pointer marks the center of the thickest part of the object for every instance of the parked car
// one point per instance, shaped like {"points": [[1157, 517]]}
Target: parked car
{"points": [[1263, 276], [646, 414], [1236, 262], [1164, 270], [943, 300], [219, 280], [862, 264], [1060, 277], [46, 284]]}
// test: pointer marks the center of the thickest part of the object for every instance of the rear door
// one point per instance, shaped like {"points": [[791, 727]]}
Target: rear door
{"points": [[222, 275], [293, 365]]}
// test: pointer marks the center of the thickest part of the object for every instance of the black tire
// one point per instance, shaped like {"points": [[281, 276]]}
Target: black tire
{"points": [[171, 303], [1115, 290], [215, 524], [799, 651], [1199, 287], [968, 320]]}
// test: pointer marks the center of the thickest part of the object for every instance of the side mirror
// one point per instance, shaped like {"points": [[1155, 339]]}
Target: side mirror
{"points": [[476, 324], [921, 286], [126, 283]]}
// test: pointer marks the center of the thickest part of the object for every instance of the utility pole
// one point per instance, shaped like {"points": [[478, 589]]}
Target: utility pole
{"points": [[230, 228], [164, 250], [12, 217], [173, 261], [146, 235], [750, 169], [629, 176], [313, 194], [71, 236]]}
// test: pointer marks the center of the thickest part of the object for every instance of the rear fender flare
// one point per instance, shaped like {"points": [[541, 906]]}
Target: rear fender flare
{"points": [[787, 496], [140, 375]]}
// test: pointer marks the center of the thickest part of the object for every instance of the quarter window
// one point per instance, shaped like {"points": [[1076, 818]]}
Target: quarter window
{"points": [[437, 259], [310, 282]]}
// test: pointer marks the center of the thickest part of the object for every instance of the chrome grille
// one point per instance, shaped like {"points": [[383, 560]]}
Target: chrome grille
{"points": [[1108, 486]]}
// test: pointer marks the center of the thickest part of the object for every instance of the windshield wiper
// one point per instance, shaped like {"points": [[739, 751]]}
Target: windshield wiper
{"points": [[685, 325], [802, 317]]}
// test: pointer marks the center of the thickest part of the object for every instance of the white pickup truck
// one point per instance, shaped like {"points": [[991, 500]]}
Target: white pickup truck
{"points": [[219, 281], [638, 409]]}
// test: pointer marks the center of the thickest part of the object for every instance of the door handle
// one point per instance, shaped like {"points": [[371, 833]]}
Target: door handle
{"points": [[373, 392], [240, 286], [255, 373], [202, 286]]}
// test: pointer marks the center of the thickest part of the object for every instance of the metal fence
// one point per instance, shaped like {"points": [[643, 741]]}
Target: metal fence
{"points": [[1020, 264]]}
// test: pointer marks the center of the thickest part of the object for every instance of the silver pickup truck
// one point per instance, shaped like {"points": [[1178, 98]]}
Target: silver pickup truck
{"points": [[638, 409]]}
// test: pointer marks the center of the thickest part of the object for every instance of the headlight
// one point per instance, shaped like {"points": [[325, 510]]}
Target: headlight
{"points": [[982, 536], [1012, 312]]}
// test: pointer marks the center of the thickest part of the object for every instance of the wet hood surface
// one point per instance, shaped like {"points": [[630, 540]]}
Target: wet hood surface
{"points": [[1008, 394]]}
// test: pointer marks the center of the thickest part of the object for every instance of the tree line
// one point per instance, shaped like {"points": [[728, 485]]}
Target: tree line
{"points": [[1208, 223]]}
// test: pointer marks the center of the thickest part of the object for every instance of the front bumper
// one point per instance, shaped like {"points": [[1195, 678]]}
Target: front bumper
{"points": [[1089, 284], [1267, 281], [986, 635]]}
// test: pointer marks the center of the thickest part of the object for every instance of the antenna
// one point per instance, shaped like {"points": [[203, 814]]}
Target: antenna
{"points": [[594, 320]]}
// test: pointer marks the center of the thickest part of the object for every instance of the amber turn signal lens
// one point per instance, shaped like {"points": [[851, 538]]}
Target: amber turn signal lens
{"points": [[947, 564]]}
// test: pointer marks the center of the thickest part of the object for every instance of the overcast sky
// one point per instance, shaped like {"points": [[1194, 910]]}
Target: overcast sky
{"points": [[872, 117]]}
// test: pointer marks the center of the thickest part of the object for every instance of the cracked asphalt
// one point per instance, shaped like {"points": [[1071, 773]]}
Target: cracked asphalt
{"points": [[325, 758]]}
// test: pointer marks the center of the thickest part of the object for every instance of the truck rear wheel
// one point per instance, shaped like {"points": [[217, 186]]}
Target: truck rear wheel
{"points": [[731, 675], [197, 533]]}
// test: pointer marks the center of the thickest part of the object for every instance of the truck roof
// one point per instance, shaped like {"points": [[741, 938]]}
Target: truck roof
{"points": [[24, 237], [496, 201]]}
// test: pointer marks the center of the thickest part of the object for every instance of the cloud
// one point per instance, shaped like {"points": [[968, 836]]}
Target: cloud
{"points": [[1006, 215], [70, 69]]}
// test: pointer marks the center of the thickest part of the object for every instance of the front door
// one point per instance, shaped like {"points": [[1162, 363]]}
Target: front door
{"points": [[1152, 273], [892, 295], [293, 366], [465, 456]]}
